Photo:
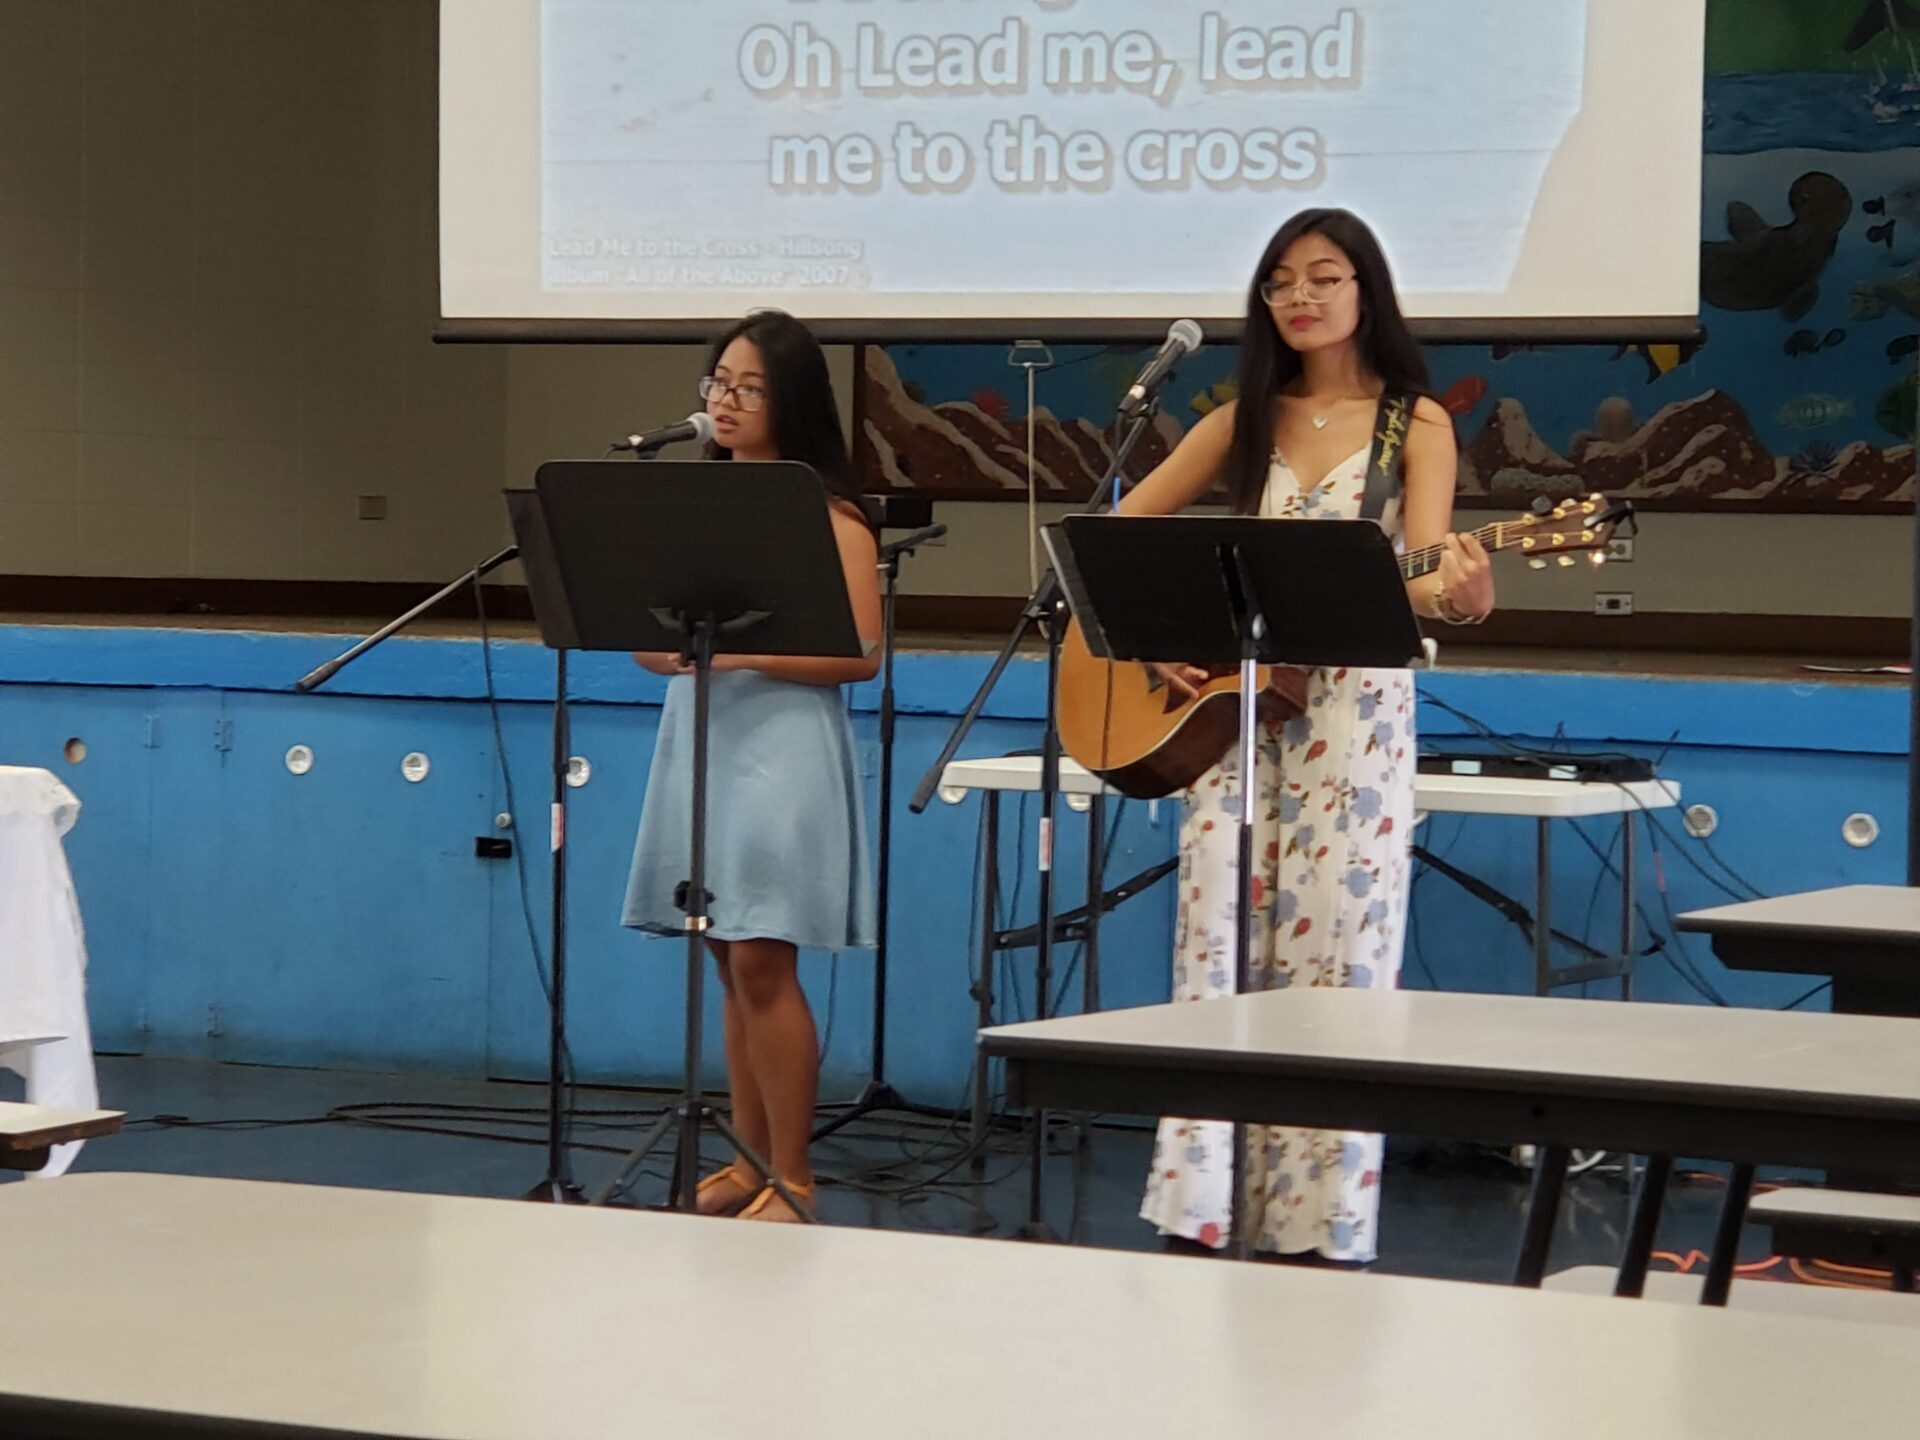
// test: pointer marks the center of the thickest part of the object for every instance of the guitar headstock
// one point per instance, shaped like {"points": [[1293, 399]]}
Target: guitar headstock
{"points": [[1569, 528]]}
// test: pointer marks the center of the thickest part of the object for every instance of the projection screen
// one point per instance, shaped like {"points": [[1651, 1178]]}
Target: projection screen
{"points": [[988, 168]]}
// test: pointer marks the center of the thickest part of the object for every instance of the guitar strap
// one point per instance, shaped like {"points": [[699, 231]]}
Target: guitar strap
{"points": [[1386, 465]]}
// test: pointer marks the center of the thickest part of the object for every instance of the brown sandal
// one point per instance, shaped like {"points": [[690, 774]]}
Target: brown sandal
{"points": [[762, 1206], [749, 1193]]}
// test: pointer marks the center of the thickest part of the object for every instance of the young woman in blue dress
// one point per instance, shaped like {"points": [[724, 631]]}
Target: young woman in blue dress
{"points": [[787, 860]]}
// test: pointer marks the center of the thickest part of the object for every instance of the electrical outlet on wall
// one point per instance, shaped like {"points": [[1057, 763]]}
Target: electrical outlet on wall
{"points": [[1613, 602], [1619, 550]]}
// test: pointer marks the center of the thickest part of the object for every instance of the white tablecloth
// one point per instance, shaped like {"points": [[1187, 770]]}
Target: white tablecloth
{"points": [[43, 952]]}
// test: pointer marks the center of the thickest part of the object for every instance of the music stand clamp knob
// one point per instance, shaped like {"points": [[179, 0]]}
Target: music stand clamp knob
{"points": [[683, 900]]}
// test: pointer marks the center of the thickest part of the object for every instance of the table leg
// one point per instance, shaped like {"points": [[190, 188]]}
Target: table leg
{"points": [[1632, 1279], [1096, 878], [1726, 1236], [1627, 950], [1627, 962], [983, 982], [1543, 1208], [1240, 1220], [1090, 949], [1543, 908]]}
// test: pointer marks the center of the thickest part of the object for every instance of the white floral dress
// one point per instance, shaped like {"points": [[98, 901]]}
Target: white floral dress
{"points": [[1331, 836]]}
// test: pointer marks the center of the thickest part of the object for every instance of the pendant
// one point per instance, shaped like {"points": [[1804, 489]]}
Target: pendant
{"points": [[1319, 422]]}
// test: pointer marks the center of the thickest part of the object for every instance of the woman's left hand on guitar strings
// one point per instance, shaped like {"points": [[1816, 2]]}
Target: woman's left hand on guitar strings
{"points": [[1466, 579]]}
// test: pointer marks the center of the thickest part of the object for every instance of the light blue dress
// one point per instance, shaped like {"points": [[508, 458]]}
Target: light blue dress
{"points": [[786, 826]]}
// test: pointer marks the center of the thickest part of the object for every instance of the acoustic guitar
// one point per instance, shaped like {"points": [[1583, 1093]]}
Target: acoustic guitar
{"points": [[1124, 722]]}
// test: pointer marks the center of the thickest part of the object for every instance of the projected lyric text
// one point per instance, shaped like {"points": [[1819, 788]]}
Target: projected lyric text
{"points": [[986, 157], [1021, 152]]}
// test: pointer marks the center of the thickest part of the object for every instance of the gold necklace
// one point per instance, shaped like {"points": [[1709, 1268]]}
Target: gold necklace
{"points": [[1320, 419]]}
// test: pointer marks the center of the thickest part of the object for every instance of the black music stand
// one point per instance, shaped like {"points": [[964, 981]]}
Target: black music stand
{"points": [[1237, 591], [702, 558]]}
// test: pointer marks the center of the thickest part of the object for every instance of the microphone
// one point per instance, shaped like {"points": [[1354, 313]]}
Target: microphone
{"points": [[907, 544], [697, 426], [1183, 338]]}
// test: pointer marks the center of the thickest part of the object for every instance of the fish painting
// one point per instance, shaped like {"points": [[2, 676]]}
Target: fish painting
{"points": [[1461, 397], [1811, 412], [1806, 342], [1900, 204], [1777, 267], [1662, 358], [1212, 398], [1873, 300]]}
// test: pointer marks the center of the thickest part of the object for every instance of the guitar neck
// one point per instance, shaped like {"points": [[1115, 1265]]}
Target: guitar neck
{"points": [[1425, 560]]}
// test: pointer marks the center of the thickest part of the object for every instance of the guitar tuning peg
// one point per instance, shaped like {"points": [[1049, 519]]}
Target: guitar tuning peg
{"points": [[1559, 540], [1538, 562], [1586, 537], [1565, 561], [1528, 543], [1598, 557]]}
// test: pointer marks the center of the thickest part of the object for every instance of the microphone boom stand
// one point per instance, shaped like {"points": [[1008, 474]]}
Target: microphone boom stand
{"points": [[1047, 608], [878, 1094], [557, 1186]]}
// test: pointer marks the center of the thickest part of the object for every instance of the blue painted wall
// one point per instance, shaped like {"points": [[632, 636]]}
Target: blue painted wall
{"points": [[236, 911]]}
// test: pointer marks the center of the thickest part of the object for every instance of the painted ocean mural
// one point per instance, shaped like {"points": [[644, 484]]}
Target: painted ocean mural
{"points": [[1799, 396]]}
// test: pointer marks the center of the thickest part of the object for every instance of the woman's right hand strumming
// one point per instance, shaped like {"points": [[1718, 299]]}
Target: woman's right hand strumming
{"points": [[1184, 680]]}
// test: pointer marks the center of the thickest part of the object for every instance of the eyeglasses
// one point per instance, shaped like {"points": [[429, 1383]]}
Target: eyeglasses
{"points": [[748, 397], [1315, 289]]}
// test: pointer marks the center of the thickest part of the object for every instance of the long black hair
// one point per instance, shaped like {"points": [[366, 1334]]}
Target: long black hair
{"points": [[801, 415], [1268, 364]]}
